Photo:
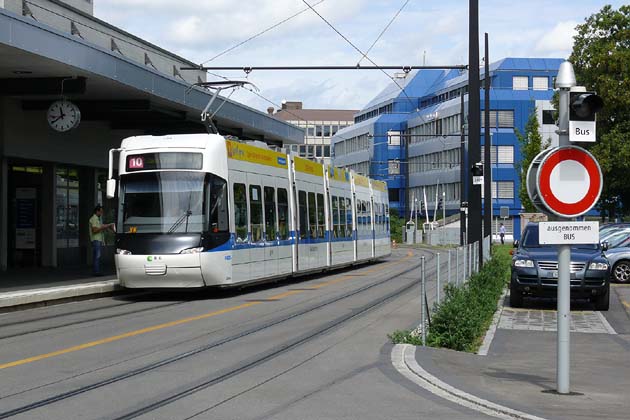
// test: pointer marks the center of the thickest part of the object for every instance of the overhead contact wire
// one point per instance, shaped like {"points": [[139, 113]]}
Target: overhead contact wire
{"points": [[383, 31], [259, 34], [360, 52]]}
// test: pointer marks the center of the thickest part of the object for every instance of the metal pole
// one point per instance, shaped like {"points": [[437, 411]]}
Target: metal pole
{"points": [[249, 69], [474, 122], [469, 252], [423, 309], [457, 266], [443, 216], [438, 278], [487, 166], [462, 173], [564, 318], [565, 80], [448, 281], [465, 268]]}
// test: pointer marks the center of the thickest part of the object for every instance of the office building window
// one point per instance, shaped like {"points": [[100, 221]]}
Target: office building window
{"points": [[520, 82], [394, 167], [506, 154], [505, 189], [540, 83], [547, 117]]}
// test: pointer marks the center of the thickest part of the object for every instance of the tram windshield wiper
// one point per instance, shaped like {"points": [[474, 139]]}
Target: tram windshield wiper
{"points": [[178, 222], [183, 217]]}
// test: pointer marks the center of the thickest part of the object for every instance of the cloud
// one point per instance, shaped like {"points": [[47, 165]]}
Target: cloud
{"points": [[558, 42], [200, 29]]}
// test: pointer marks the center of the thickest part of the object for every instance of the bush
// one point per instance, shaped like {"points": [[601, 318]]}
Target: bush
{"points": [[461, 320], [395, 226]]}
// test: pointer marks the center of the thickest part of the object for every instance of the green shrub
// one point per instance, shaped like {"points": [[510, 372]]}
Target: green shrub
{"points": [[461, 320]]}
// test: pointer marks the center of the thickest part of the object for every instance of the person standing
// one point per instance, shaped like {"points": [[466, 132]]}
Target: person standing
{"points": [[97, 238], [502, 233]]}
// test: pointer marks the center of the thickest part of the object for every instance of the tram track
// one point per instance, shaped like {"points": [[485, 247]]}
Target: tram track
{"points": [[233, 371], [83, 321]]}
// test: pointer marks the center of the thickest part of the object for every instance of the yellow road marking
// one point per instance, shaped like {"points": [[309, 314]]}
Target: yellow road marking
{"points": [[173, 323], [126, 335], [285, 294], [626, 304]]}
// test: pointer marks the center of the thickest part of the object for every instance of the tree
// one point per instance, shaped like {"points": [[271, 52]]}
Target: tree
{"points": [[531, 144], [601, 60]]}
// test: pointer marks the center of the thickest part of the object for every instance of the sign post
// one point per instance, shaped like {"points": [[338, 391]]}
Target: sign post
{"points": [[566, 182], [565, 81]]}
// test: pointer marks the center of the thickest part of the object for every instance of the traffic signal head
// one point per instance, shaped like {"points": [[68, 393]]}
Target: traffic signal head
{"points": [[477, 169], [584, 106]]}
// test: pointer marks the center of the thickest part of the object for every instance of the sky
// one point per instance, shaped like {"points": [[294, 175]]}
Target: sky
{"points": [[425, 32]]}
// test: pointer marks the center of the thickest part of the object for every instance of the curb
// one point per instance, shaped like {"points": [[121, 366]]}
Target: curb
{"points": [[404, 360], [487, 340], [25, 298]]}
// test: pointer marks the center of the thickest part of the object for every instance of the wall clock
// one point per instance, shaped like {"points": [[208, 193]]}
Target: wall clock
{"points": [[63, 116]]}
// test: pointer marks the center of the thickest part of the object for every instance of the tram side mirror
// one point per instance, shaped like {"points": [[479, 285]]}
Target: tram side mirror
{"points": [[111, 188]]}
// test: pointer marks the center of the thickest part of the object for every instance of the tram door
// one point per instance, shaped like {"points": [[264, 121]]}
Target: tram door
{"points": [[256, 226], [241, 253], [271, 226]]}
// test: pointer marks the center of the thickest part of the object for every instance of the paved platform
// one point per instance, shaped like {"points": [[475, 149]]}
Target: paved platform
{"points": [[46, 286], [519, 372]]}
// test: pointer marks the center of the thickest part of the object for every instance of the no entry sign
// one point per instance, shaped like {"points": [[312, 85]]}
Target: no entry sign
{"points": [[569, 181]]}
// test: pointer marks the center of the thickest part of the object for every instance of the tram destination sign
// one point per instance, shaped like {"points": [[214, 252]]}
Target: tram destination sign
{"points": [[568, 233]]}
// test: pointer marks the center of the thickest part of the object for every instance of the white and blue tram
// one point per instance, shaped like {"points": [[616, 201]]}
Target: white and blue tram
{"points": [[199, 210]]}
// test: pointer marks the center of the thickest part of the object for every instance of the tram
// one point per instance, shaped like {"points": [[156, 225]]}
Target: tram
{"points": [[199, 210]]}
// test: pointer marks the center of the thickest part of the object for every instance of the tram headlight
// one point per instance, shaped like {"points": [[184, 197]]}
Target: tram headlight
{"points": [[192, 250], [122, 251]]}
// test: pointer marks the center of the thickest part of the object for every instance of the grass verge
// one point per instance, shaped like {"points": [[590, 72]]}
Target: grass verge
{"points": [[463, 317]]}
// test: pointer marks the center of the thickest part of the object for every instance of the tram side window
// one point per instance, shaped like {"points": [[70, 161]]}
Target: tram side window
{"points": [[303, 215], [335, 216], [342, 217], [218, 206], [321, 219], [312, 219], [381, 218], [349, 220], [255, 206], [270, 213], [240, 212], [363, 217], [283, 214], [368, 212]]}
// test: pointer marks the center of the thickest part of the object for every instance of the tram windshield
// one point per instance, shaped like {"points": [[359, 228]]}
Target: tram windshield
{"points": [[163, 202]]}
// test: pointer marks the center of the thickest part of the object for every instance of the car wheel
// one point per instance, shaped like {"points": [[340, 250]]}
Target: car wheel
{"points": [[621, 272], [602, 302], [516, 298]]}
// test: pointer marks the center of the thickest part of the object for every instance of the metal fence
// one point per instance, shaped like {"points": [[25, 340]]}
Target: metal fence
{"points": [[452, 266]]}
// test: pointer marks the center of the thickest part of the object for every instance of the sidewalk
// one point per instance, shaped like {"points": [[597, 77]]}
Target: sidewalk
{"points": [[519, 371], [42, 286]]}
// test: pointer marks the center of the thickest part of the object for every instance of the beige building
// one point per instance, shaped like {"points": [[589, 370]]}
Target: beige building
{"points": [[319, 126]]}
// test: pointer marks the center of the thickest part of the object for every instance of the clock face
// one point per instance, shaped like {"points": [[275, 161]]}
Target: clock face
{"points": [[63, 116]]}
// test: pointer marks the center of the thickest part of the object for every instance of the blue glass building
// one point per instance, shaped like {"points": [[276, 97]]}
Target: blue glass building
{"points": [[410, 134]]}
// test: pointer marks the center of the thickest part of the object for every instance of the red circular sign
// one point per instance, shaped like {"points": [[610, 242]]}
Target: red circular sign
{"points": [[569, 181]]}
